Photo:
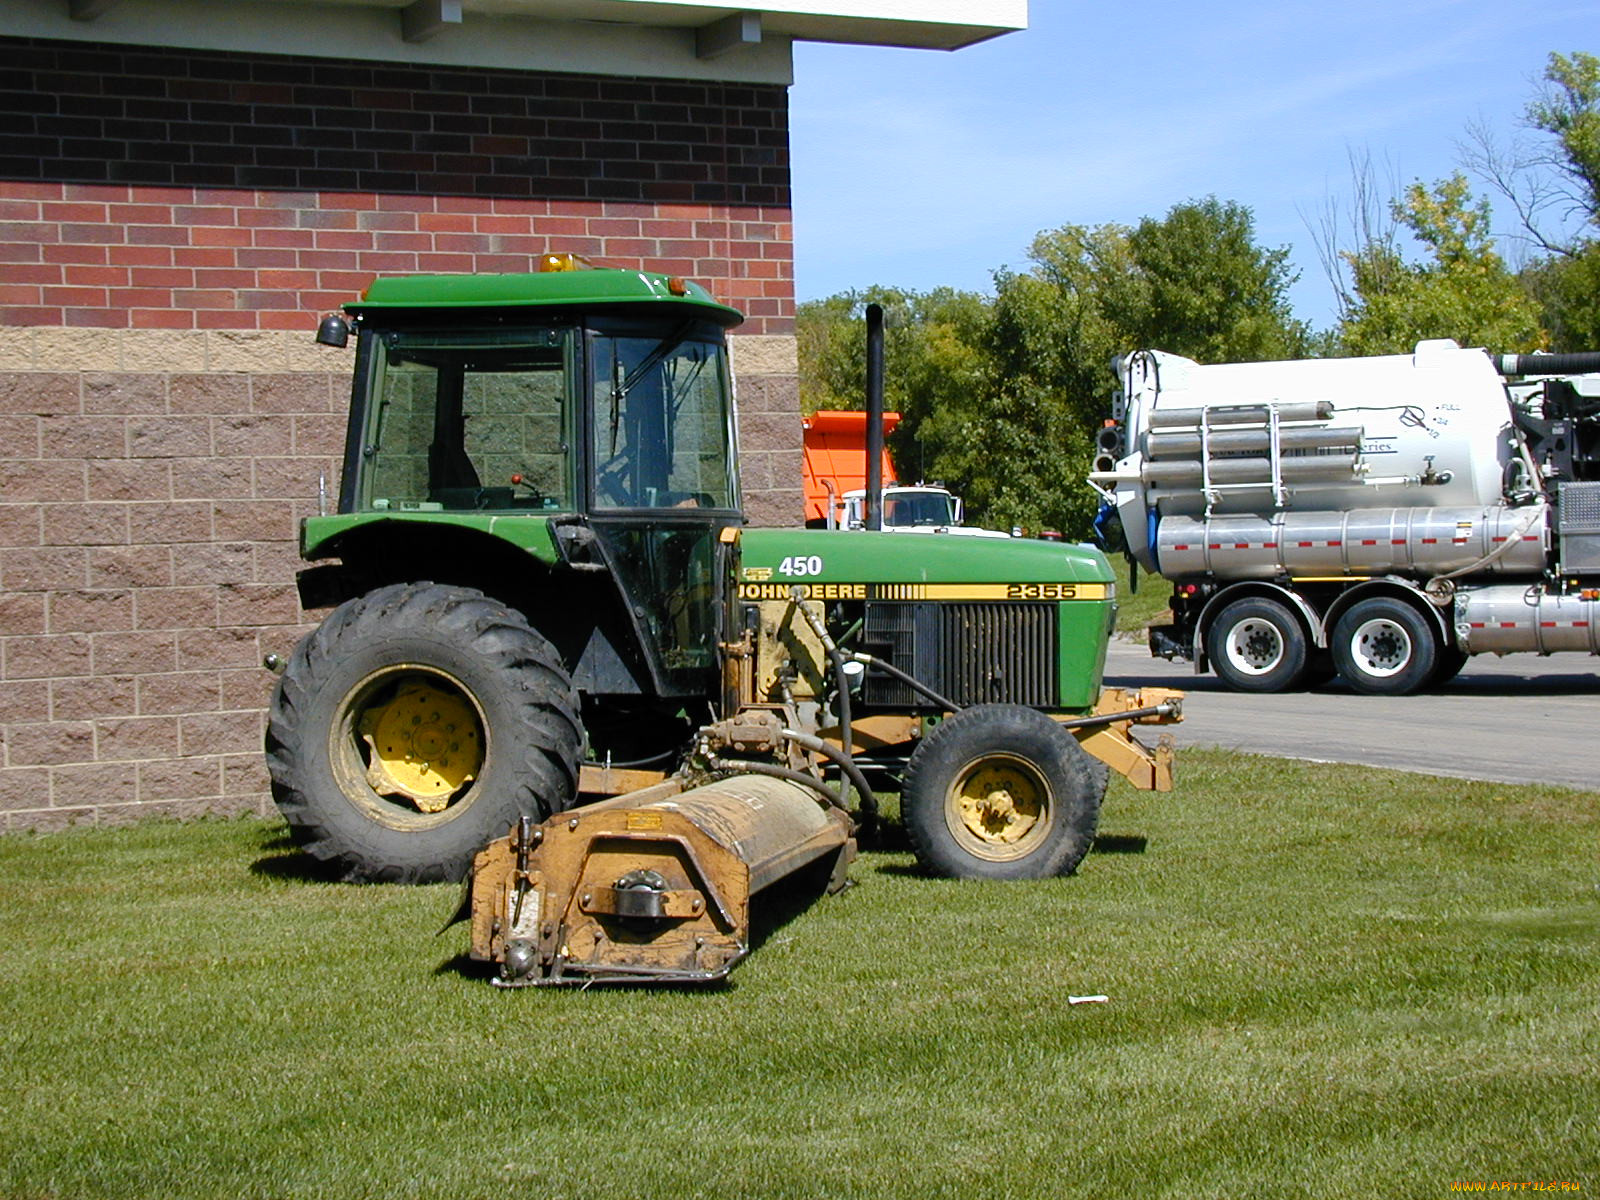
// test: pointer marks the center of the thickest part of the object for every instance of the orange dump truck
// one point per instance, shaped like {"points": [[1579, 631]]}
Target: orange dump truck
{"points": [[836, 461]]}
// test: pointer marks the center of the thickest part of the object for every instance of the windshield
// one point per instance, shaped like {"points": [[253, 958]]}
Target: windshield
{"points": [[917, 508], [662, 424], [469, 422]]}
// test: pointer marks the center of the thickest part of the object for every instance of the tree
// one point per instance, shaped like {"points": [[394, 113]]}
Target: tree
{"points": [[976, 412], [1568, 284], [1054, 329], [1569, 110], [1019, 455], [1460, 290], [1553, 187], [1201, 287], [932, 353], [1566, 290], [1001, 397], [822, 330], [1194, 282]]}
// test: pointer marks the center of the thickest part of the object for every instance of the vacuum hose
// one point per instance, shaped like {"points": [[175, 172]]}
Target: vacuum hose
{"points": [[737, 766], [1547, 364]]}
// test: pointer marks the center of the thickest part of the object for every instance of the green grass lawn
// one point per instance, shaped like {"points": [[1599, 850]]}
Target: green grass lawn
{"points": [[1323, 981]]}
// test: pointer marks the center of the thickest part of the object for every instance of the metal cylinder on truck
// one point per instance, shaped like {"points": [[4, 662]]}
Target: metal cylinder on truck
{"points": [[1396, 512], [1502, 619], [1378, 541]]}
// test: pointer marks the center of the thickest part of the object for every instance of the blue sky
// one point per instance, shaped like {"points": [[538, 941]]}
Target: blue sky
{"points": [[922, 168]]}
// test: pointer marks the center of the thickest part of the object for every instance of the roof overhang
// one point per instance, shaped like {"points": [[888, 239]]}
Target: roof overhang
{"points": [[918, 24], [663, 38]]}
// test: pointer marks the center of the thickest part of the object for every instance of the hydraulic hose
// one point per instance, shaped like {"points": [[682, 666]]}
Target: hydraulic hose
{"points": [[915, 685], [1165, 709], [733, 766], [841, 683], [1537, 512], [847, 764]]}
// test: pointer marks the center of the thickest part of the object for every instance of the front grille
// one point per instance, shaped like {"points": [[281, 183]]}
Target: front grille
{"points": [[994, 653]]}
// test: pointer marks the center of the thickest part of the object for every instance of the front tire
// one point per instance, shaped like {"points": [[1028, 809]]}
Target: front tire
{"points": [[999, 791], [416, 724], [1385, 647], [1258, 645]]}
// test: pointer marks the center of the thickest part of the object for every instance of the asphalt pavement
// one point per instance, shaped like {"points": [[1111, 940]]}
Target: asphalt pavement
{"points": [[1518, 719]]}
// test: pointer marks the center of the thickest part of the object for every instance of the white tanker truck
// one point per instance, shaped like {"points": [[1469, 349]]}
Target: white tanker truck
{"points": [[1382, 518]]}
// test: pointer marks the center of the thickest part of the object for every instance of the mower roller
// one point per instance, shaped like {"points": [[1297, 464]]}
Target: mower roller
{"points": [[654, 886]]}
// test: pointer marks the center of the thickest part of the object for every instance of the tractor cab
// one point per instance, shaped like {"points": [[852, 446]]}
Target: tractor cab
{"points": [[596, 402]]}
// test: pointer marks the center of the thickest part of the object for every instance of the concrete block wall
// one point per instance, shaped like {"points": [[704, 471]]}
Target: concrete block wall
{"points": [[147, 563], [171, 224]]}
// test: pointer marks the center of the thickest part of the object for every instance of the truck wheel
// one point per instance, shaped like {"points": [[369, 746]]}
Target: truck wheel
{"points": [[1257, 645], [415, 725], [1385, 647], [999, 791]]}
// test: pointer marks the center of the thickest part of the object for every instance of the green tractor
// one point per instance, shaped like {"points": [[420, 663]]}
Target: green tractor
{"points": [[543, 593]]}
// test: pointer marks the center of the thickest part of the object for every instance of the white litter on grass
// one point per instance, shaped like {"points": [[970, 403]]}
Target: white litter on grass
{"points": [[1087, 999]]}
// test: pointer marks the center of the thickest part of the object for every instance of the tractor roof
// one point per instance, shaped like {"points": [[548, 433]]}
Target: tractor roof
{"points": [[600, 287]]}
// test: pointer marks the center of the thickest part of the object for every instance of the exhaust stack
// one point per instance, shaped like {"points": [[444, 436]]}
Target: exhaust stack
{"points": [[874, 496]]}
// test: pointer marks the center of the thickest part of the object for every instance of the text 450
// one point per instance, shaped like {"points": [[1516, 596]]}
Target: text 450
{"points": [[801, 565]]}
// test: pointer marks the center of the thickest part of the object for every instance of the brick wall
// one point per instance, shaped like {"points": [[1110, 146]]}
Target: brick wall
{"points": [[242, 191], [113, 256], [171, 223]]}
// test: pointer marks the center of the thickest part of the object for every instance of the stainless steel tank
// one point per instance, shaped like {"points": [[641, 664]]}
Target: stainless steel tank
{"points": [[1506, 618], [1357, 542], [1431, 431]]}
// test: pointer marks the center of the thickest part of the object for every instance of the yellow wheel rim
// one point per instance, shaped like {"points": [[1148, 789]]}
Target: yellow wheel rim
{"points": [[421, 739], [999, 808]]}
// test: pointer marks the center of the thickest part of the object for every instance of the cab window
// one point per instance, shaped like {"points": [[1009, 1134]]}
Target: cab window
{"points": [[662, 425], [461, 423]]}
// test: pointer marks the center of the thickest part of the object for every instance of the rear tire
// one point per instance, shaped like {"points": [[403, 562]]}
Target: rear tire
{"points": [[1385, 647], [416, 724], [999, 791], [1257, 645]]}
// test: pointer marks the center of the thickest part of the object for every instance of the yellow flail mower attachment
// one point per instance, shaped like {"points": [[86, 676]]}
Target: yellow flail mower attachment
{"points": [[654, 886], [649, 887]]}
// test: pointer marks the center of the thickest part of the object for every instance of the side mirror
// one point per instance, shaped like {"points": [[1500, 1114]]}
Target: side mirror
{"points": [[333, 331]]}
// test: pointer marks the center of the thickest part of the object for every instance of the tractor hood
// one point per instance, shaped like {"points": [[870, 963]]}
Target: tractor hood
{"points": [[793, 556]]}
